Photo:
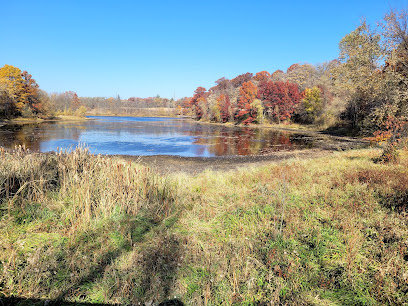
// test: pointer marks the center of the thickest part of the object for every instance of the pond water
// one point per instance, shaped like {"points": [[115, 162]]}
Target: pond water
{"points": [[150, 136]]}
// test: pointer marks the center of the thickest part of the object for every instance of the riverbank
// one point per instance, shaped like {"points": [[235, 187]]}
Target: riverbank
{"points": [[99, 229], [139, 112], [21, 120]]}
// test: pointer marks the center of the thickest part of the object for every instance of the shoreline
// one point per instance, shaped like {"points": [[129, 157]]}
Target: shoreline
{"points": [[167, 164], [59, 118], [193, 165]]}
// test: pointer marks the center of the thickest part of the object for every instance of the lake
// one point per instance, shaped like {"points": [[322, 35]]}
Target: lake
{"points": [[150, 136]]}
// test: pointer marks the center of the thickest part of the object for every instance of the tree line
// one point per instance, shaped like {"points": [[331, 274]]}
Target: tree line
{"points": [[366, 88], [20, 95]]}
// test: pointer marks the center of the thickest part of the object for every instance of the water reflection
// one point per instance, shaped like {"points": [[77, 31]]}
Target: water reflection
{"points": [[149, 136]]}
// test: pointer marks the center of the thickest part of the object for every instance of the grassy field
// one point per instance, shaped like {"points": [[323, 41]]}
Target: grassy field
{"points": [[82, 228]]}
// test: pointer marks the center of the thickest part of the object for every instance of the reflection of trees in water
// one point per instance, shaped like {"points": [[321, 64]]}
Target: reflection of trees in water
{"points": [[24, 135], [240, 141], [32, 135], [214, 139]]}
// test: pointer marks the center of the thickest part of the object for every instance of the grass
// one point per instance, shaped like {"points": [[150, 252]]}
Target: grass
{"points": [[83, 228]]}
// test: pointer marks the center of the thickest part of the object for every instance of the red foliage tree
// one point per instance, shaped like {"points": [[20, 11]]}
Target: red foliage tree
{"points": [[241, 79], [247, 94], [222, 85], [196, 102], [75, 103], [279, 98]]}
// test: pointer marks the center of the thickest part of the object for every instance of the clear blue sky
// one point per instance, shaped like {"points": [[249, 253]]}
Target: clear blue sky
{"points": [[145, 48]]}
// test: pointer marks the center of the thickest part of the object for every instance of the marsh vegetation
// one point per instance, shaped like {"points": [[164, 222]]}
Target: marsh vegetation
{"points": [[83, 228]]}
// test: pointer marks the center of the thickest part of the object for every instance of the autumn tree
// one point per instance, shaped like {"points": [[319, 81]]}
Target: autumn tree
{"points": [[257, 106], [304, 75], [75, 103], [277, 75], [12, 80], [262, 76], [395, 33], [19, 91], [7, 106], [391, 115], [358, 74], [279, 99], [30, 92], [247, 94], [223, 102], [199, 102], [241, 79], [223, 84], [292, 67], [311, 105]]}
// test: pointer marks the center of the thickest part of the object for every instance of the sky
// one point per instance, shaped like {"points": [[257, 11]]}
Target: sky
{"points": [[169, 48]]}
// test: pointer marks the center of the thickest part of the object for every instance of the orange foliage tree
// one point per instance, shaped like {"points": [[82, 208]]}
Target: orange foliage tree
{"points": [[247, 94], [30, 88], [262, 76], [19, 89]]}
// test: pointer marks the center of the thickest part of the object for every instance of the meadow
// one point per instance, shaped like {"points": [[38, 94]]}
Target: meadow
{"points": [[76, 227]]}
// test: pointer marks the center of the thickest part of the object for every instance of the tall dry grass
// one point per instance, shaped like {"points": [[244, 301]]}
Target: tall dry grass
{"points": [[329, 231], [66, 216]]}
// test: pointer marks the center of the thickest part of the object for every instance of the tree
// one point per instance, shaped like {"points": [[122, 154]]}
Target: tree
{"points": [[395, 32], [75, 103], [7, 106], [358, 75], [247, 94], [304, 75], [199, 102], [19, 90], [277, 75], [259, 109], [292, 67], [311, 105], [360, 55], [224, 105], [223, 85], [241, 79], [279, 99], [12, 80], [392, 113], [262, 76], [30, 92]]}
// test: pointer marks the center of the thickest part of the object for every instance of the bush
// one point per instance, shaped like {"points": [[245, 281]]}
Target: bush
{"points": [[389, 155], [27, 112]]}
